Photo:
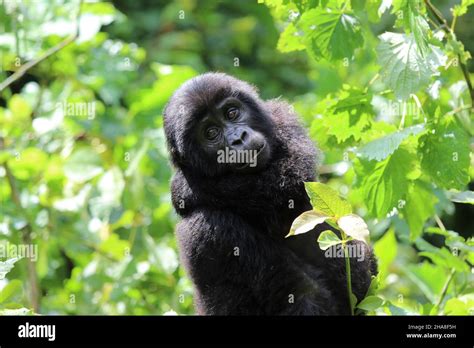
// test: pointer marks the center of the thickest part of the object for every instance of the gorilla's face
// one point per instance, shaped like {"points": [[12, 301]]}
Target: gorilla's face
{"points": [[216, 124], [229, 134]]}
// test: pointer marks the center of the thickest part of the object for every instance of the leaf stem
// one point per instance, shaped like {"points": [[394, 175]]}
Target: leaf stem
{"points": [[348, 275], [376, 76], [444, 290], [439, 222], [453, 23]]}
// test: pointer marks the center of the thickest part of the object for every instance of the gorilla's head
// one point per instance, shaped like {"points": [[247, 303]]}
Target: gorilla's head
{"points": [[216, 124]]}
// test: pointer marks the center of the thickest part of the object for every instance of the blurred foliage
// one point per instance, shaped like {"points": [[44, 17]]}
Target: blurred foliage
{"points": [[84, 170]]}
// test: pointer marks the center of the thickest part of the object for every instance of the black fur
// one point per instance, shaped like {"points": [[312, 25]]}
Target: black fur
{"points": [[231, 237]]}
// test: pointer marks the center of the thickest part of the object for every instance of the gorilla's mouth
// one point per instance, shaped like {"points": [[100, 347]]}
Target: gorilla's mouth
{"points": [[254, 158]]}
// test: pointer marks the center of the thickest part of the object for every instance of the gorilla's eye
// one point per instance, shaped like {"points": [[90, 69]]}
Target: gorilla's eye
{"points": [[212, 133], [232, 113]]}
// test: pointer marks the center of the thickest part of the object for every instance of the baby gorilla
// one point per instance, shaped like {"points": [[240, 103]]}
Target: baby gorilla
{"points": [[241, 163]]}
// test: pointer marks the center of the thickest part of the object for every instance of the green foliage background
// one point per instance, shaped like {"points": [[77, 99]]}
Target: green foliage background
{"points": [[380, 85]]}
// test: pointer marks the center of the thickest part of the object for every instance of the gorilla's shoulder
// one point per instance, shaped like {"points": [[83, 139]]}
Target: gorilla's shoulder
{"points": [[301, 151]]}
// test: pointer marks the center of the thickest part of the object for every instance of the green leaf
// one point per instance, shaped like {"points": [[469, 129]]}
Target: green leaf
{"points": [[355, 227], [347, 125], [381, 148], [306, 222], [414, 22], [462, 197], [370, 303], [330, 33], [404, 69], [386, 251], [354, 101], [445, 154], [441, 256], [84, 164], [384, 184], [419, 206], [20, 108], [428, 278], [290, 40], [461, 9], [6, 267], [328, 239], [326, 200], [11, 289], [29, 163]]}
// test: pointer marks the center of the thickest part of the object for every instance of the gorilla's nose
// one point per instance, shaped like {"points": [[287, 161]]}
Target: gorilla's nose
{"points": [[238, 138]]}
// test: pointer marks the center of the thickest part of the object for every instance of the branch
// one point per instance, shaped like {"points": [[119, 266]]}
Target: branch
{"points": [[35, 291], [449, 30], [27, 66]]}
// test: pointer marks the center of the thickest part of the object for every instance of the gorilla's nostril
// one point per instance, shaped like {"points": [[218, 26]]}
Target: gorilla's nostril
{"points": [[236, 142], [240, 139]]}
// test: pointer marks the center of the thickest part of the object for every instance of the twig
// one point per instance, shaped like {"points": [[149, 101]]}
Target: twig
{"points": [[459, 109], [372, 80], [439, 222], [24, 68], [449, 30]]}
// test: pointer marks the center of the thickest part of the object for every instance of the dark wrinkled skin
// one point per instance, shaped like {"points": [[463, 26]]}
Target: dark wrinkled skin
{"points": [[234, 222]]}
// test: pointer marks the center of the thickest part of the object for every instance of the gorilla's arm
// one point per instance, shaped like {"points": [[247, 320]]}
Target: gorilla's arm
{"points": [[238, 270]]}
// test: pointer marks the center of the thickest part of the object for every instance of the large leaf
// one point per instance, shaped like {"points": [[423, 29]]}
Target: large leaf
{"points": [[347, 125], [386, 251], [412, 19], [445, 154], [331, 34], [384, 184], [419, 206], [381, 148], [326, 200], [306, 222], [404, 69]]}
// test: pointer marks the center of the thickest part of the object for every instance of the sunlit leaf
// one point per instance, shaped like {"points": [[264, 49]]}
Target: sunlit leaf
{"points": [[306, 222], [328, 239], [326, 200], [404, 69], [354, 226]]}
